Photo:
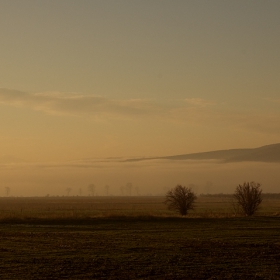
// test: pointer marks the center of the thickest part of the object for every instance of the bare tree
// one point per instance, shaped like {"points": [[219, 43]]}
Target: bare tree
{"points": [[91, 189], [129, 188], [8, 190], [68, 190], [248, 196], [180, 199]]}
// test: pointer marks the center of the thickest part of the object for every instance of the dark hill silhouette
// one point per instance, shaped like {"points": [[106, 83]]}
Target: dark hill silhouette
{"points": [[269, 153]]}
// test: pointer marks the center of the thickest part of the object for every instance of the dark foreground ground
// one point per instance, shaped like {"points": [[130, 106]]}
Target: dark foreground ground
{"points": [[141, 248]]}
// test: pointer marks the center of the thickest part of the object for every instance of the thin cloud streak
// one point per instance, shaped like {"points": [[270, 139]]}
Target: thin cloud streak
{"points": [[57, 103], [191, 111], [75, 104]]}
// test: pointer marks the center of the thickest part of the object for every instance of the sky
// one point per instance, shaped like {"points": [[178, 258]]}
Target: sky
{"points": [[97, 79]]}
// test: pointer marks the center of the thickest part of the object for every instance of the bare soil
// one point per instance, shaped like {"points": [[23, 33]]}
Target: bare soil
{"points": [[140, 248]]}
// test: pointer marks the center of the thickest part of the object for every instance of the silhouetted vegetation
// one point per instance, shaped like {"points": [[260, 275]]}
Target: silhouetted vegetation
{"points": [[180, 199], [68, 190], [7, 190], [248, 197], [80, 207], [91, 189]]}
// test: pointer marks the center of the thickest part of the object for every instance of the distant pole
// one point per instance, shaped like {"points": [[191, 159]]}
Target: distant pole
{"points": [[7, 190]]}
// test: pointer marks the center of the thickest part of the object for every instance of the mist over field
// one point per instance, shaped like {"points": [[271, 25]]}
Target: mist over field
{"points": [[89, 88], [147, 177]]}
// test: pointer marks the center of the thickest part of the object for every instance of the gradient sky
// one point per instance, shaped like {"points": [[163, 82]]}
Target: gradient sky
{"points": [[88, 78]]}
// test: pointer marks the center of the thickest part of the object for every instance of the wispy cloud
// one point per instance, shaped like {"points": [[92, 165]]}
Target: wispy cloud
{"points": [[244, 121], [194, 111], [57, 103], [73, 103], [76, 104]]}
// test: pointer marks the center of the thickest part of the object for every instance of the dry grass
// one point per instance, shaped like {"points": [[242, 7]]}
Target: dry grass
{"points": [[93, 207]]}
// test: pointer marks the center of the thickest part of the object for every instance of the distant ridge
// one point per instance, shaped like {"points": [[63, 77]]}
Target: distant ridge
{"points": [[268, 153]]}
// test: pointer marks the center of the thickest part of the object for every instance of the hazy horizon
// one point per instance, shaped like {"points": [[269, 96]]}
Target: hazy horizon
{"points": [[103, 79], [152, 177]]}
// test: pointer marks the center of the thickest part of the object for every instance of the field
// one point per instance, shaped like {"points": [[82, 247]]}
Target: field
{"points": [[136, 238]]}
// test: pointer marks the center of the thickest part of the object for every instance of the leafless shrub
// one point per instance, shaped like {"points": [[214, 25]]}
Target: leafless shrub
{"points": [[180, 199], [249, 197]]}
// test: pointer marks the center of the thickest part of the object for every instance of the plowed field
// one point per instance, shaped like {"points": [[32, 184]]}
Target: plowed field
{"points": [[141, 248]]}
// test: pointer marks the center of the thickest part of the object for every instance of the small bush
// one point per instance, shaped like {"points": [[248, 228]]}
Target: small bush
{"points": [[181, 199], [248, 197]]}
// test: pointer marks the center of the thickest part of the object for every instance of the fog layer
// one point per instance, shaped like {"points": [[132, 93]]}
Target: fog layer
{"points": [[151, 177]]}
